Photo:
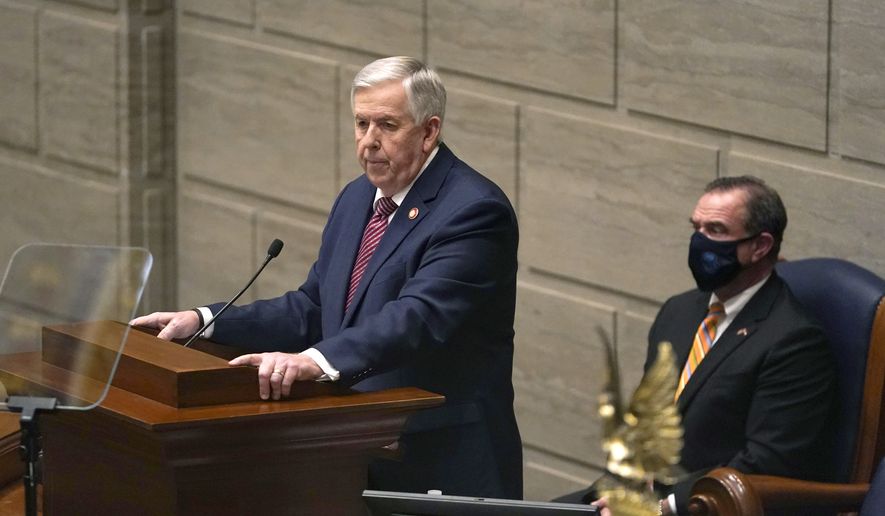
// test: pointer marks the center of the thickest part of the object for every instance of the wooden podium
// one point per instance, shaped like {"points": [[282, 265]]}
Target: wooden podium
{"points": [[181, 432]]}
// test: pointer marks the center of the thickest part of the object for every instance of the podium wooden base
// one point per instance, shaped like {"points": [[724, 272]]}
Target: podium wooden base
{"points": [[12, 467], [137, 455], [12, 499]]}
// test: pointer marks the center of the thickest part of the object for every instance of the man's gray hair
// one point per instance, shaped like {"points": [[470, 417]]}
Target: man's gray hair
{"points": [[425, 92]]}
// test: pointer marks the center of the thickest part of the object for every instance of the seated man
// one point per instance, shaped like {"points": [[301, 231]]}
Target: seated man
{"points": [[756, 386]]}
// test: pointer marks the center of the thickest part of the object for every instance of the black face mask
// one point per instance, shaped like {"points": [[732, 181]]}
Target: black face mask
{"points": [[713, 263]]}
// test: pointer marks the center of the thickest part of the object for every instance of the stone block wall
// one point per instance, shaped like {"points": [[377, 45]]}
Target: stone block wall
{"points": [[87, 128], [602, 120]]}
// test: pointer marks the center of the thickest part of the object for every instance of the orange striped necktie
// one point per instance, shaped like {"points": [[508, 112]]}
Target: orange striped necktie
{"points": [[703, 341]]}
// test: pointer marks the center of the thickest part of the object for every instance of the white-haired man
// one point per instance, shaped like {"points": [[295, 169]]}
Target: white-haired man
{"points": [[414, 285]]}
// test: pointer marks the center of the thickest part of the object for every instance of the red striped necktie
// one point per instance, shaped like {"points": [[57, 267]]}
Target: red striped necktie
{"points": [[703, 341], [371, 238]]}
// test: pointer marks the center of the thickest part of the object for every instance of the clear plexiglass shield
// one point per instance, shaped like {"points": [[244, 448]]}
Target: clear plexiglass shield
{"points": [[54, 301]]}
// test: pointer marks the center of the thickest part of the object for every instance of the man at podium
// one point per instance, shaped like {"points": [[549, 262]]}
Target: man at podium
{"points": [[414, 285]]}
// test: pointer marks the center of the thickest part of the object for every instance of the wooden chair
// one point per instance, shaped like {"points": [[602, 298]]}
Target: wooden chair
{"points": [[848, 302]]}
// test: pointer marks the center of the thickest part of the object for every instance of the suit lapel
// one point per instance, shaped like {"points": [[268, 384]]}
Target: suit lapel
{"points": [[684, 329], [346, 247], [422, 193], [744, 325]]}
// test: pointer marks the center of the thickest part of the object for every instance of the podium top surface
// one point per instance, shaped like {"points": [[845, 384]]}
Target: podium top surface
{"points": [[149, 364], [140, 345]]}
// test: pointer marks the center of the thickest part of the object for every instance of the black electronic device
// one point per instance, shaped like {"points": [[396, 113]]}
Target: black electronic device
{"points": [[392, 503]]}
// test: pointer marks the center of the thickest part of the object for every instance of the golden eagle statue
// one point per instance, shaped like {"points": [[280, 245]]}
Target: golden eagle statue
{"points": [[644, 439]]}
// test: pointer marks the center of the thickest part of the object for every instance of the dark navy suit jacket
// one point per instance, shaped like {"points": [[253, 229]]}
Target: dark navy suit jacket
{"points": [[762, 399], [434, 310]]}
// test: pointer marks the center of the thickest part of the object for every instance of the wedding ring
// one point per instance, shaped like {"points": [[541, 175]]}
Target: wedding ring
{"points": [[277, 371]]}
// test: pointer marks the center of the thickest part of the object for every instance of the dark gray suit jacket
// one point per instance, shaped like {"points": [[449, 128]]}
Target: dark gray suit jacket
{"points": [[762, 400]]}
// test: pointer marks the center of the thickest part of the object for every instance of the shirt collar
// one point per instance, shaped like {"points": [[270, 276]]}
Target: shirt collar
{"points": [[400, 196], [737, 303]]}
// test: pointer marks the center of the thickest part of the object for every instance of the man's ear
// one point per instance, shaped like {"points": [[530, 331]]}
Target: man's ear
{"points": [[431, 132], [762, 246]]}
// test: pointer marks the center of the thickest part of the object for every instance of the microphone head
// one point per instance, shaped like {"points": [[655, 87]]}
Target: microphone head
{"points": [[275, 247]]}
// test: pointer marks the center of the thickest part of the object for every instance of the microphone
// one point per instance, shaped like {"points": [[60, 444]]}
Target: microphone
{"points": [[272, 252]]}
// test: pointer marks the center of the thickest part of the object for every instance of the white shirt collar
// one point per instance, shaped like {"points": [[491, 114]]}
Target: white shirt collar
{"points": [[737, 303], [400, 196]]}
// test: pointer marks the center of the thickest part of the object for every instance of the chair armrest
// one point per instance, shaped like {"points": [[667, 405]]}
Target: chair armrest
{"points": [[728, 492]]}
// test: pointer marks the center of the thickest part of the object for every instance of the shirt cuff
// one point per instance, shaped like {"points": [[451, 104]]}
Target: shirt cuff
{"points": [[207, 316], [330, 374], [671, 501]]}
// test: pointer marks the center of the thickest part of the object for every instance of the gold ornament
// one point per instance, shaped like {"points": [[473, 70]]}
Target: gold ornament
{"points": [[643, 440]]}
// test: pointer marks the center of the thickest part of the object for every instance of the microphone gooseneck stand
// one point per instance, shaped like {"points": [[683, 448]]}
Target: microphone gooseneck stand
{"points": [[272, 252]]}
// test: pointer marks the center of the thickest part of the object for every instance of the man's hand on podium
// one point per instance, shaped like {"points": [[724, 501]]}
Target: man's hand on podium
{"points": [[278, 371], [172, 325]]}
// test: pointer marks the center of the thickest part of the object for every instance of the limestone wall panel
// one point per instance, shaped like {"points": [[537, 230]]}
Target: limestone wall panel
{"points": [[108, 5], [18, 93], [546, 476], [828, 215], [257, 119], [215, 252], [240, 11], [749, 66], [609, 206], [289, 270], [558, 369], [40, 205], [384, 27], [482, 131], [861, 31], [568, 49], [79, 90]]}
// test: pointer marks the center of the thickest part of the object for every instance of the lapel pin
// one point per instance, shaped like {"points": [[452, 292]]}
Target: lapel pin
{"points": [[742, 332], [413, 213]]}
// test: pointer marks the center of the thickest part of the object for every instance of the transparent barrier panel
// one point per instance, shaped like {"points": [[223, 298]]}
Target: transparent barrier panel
{"points": [[52, 291]]}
